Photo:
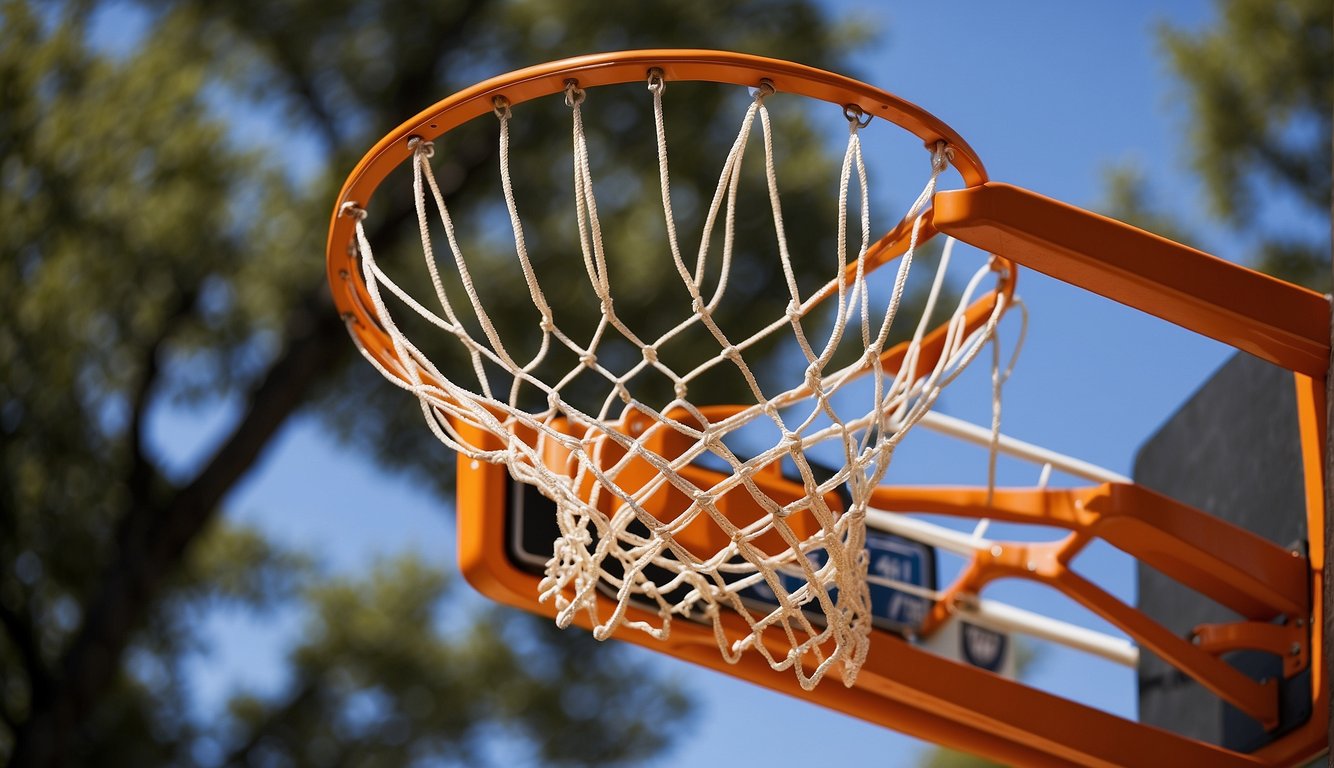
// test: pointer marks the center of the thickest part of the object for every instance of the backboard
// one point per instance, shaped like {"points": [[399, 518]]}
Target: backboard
{"points": [[1221, 453]]}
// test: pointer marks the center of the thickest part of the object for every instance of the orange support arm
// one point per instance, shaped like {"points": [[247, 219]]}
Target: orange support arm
{"points": [[1276, 321], [1229, 564], [1047, 563], [1238, 569]]}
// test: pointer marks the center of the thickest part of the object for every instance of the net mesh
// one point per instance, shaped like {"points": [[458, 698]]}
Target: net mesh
{"points": [[660, 517]]}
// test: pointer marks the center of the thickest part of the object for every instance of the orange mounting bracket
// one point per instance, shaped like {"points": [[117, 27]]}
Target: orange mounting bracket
{"points": [[1238, 569], [1289, 640]]}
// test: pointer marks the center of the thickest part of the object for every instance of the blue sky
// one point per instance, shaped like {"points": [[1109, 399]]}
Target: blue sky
{"points": [[1050, 94]]}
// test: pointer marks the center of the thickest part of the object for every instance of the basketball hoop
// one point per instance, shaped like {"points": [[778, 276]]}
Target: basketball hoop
{"points": [[638, 519], [695, 522]]}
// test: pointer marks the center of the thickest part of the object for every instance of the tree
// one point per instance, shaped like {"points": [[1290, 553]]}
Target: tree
{"points": [[1259, 89], [156, 255]]}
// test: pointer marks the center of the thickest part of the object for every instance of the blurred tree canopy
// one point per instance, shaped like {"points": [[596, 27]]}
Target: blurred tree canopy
{"points": [[167, 169], [1259, 90]]}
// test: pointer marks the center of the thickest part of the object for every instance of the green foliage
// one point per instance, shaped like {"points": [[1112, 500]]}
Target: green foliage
{"points": [[376, 686], [1260, 92], [85, 323], [944, 758], [1260, 89], [164, 199]]}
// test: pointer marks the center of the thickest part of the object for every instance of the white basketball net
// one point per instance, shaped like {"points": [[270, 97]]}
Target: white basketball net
{"points": [[617, 562]]}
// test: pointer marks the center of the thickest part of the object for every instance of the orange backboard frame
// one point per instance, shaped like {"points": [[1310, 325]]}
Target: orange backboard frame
{"points": [[912, 690]]}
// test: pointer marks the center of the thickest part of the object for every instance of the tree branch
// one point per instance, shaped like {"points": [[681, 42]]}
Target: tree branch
{"points": [[142, 470], [241, 755], [8, 719], [153, 537], [20, 631], [153, 541]]}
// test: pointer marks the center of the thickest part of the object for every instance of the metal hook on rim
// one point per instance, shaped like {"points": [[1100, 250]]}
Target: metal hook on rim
{"points": [[656, 81], [501, 107], [764, 90], [574, 95], [856, 115]]}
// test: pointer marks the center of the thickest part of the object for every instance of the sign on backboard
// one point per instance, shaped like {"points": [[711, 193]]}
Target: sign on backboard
{"points": [[902, 572]]}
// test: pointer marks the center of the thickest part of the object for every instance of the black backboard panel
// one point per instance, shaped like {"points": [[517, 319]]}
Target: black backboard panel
{"points": [[1232, 450]]}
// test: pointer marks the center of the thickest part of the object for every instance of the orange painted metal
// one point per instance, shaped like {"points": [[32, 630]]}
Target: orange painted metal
{"points": [[1236, 568], [1276, 321], [902, 686], [1311, 430], [905, 688], [1286, 640]]}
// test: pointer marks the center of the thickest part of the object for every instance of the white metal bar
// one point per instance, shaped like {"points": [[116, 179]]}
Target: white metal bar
{"points": [[930, 534], [963, 430], [1004, 617], [992, 614], [997, 615]]}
